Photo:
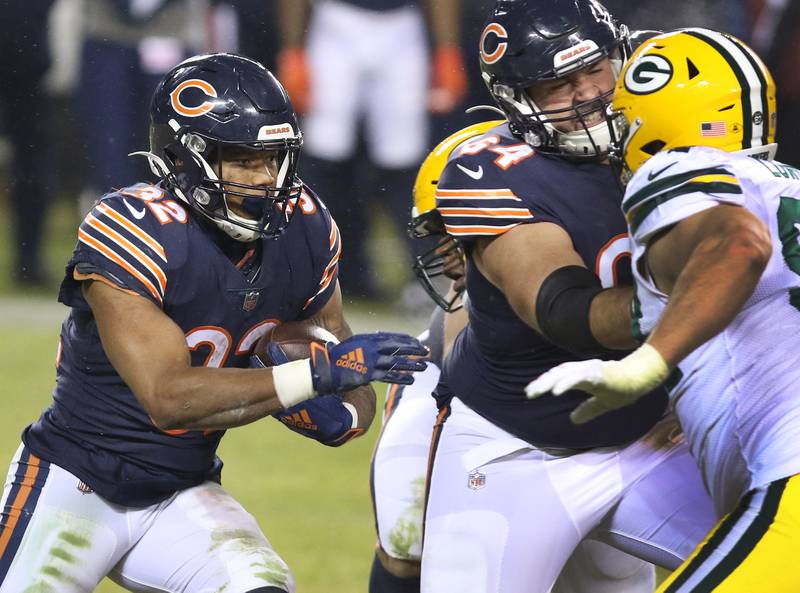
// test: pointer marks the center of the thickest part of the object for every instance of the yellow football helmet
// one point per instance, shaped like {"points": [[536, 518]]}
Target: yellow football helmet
{"points": [[427, 222], [691, 87]]}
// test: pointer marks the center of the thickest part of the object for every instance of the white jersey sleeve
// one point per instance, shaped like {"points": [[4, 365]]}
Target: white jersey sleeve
{"points": [[675, 185]]}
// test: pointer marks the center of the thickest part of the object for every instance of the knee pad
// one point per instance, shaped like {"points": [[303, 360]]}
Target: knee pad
{"points": [[612, 563]]}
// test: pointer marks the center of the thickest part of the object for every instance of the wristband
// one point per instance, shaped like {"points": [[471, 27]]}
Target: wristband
{"points": [[352, 409], [292, 381], [641, 371]]}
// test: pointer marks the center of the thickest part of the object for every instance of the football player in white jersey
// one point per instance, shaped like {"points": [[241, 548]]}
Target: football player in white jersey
{"points": [[400, 462], [716, 260]]}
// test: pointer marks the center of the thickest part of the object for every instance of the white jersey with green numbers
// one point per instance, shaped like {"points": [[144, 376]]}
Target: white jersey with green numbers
{"points": [[738, 395]]}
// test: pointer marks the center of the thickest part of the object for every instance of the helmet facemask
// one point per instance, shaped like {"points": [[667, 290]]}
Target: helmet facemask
{"points": [[244, 212], [443, 262], [620, 135], [544, 129]]}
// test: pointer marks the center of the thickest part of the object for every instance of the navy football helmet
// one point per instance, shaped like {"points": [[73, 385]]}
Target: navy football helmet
{"points": [[203, 109], [528, 41]]}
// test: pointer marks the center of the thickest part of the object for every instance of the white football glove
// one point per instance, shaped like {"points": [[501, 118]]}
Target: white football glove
{"points": [[612, 383]]}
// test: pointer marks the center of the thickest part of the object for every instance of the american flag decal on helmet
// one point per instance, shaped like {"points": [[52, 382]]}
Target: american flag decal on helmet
{"points": [[713, 128]]}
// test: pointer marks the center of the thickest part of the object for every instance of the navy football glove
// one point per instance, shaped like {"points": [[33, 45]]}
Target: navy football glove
{"points": [[364, 358], [325, 419]]}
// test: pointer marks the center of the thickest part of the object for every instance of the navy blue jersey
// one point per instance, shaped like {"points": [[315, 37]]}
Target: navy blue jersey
{"points": [[144, 241], [490, 185], [433, 337]]}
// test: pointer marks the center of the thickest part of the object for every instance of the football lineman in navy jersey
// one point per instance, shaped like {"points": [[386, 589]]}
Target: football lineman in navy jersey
{"points": [[515, 487], [170, 286], [400, 462]]}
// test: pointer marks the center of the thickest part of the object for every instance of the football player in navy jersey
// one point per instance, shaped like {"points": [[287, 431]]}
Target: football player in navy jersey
{"points": [[400, 461], [514, 485], [169, 288]]}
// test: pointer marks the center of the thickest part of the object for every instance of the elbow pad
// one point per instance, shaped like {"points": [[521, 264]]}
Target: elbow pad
{"points": [[562, 309]]}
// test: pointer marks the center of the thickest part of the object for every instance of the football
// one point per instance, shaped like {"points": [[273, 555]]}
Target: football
{"points": [[293, 339]]}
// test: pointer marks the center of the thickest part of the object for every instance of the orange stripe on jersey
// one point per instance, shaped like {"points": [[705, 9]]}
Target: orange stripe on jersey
{"points": [[95, 244], [492, 212], [328, 273], [500, 193], [16, 506], [478, 230], [135, 230], [137, 253], [334, 234], [390, 401]]}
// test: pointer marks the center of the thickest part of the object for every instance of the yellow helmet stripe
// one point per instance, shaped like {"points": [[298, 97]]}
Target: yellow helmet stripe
{"points": [[751, 80]]}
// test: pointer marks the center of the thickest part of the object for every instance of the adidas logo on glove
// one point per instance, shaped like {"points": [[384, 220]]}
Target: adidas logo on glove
{"points": [[354, 361]]}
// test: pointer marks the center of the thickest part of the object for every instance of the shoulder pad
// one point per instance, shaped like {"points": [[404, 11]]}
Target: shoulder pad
{"points": [[672, 180], [139, 230]]}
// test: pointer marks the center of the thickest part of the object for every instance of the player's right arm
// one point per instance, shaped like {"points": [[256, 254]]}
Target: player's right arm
{"points": [[520, 261], [527, 254], [148, 350]]}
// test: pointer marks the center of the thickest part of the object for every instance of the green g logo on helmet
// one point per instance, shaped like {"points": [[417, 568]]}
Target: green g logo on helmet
{"points": [[648, 74]]}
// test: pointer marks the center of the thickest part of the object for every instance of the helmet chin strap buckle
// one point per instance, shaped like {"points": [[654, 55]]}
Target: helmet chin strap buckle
{"points": [[533, 139], [201, 196]]}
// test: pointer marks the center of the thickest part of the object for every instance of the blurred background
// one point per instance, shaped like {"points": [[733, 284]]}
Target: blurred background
{"points": [[77, 78]]}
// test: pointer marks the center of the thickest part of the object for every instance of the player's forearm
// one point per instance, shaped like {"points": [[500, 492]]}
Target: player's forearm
{"points": [[293, 22], [717, 280], [444, 21], [610, 318], [200, 398], [363, 400]]}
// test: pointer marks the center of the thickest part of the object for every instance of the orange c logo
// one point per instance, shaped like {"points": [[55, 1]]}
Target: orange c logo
{"points": [[203, 108], [500, 50]]}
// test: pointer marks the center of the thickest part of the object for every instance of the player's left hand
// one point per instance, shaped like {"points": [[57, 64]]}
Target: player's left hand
{"points": [[326, 419], [612, 383], [449, 84], [363, 358]]}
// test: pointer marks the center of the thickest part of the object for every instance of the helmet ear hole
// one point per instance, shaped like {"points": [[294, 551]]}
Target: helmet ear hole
{"points": [[653, 147], [693, 71]]}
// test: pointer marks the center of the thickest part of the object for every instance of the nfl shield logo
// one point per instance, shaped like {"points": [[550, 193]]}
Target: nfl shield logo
{"points": [[476, 480], [250, 300]]}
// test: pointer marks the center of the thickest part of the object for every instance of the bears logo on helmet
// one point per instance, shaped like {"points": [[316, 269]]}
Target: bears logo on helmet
{"points": [[186, 111], [490, 57]]}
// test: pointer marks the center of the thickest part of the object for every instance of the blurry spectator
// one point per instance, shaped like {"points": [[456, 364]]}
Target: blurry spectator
{"points": [[472, 22], [723, 15], [258, 30], [367, 62], [25, 58], [776, 37], [131, 43]]}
